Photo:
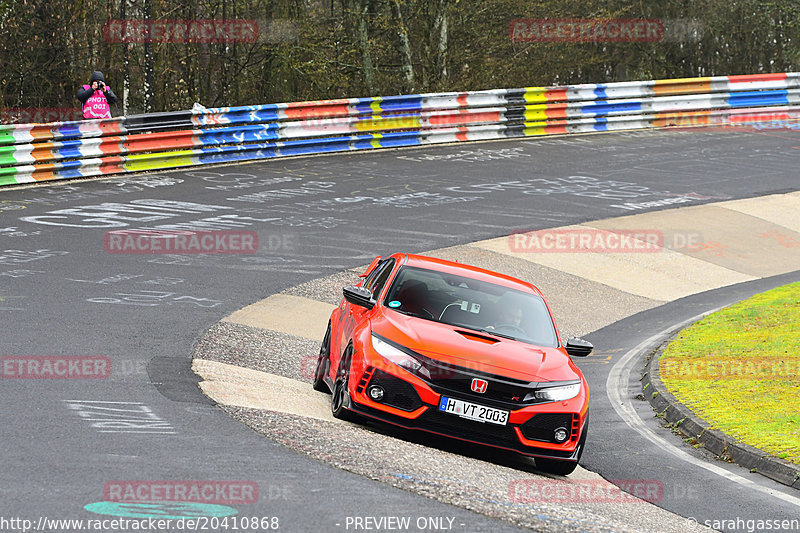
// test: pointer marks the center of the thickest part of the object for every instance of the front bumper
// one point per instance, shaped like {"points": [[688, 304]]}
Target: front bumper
{"points": [[509, 437]]}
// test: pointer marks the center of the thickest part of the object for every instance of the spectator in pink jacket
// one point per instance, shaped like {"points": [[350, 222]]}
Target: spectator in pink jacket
{"points": [[97, 97]]}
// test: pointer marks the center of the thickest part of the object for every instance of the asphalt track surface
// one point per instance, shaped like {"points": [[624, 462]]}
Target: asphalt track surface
{"points": [[61, 293]]}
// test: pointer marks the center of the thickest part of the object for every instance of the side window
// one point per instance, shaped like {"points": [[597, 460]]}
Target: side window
{"points": [[377, 279], [380, 281], [369, 281]]}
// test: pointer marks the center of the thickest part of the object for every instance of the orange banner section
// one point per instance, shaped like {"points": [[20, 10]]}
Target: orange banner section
{"points": [[41, 132], [695, 118], [557, 111], [45, 173], [317, 111], [155, 142], [43, 152], [682, 86], [556, 95], [111, 127]]}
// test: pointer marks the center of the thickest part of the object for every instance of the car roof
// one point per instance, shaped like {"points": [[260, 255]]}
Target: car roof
{"points": [[451, 267]]}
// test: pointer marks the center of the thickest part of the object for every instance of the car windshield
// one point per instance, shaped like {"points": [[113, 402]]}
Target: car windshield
{"points": [[472, 304]]}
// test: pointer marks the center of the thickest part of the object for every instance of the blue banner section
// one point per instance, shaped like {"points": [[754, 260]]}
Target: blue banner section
{"points": [[758, 98], [405, 103], [606, 108], [601, 124], [69, 130], [70, 169], [219, 155], [391, 140], [70, 149], [243, 117], [252, 133], [600, 92]]}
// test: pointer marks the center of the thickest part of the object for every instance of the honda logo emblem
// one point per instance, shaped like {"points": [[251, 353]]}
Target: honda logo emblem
{"points": [[479, 385]]}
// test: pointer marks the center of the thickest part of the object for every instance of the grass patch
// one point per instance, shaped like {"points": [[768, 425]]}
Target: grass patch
{"points": [[739, 369]]}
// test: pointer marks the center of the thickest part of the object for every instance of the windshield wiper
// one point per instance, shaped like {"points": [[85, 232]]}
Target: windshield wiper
{"points": [[482, 330], [496, 334], [416, 315]]}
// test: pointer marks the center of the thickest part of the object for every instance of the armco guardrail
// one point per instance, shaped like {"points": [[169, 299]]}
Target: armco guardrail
{"points": [[60, 150]]}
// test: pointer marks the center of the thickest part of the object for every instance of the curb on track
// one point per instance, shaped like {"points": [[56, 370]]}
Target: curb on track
{"points": [[692, 426]]}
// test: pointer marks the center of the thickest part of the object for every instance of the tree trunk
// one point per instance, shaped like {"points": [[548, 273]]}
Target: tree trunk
{"points": [[440, 24], [126, 60], [405, 47], [362, 8], [148, 62]]}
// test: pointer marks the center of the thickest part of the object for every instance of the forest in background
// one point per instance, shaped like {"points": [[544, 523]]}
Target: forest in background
{"points": [[322, 49]]}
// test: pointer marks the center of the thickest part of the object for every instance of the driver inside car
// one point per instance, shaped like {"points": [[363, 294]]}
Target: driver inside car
{"points": [[509, 318], [510, 315]]}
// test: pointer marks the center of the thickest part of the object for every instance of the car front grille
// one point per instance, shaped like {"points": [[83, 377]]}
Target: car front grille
{"points": [[456, 426], [501, 391]]}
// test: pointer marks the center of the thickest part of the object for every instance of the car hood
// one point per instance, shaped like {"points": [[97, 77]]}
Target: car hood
{"points": [[475, 350]]}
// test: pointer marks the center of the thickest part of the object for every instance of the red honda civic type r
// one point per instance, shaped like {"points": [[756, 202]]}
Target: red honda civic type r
{"points": [[459, 351]]}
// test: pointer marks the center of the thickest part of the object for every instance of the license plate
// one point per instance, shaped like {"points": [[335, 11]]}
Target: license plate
{"points": [[473, 411]]}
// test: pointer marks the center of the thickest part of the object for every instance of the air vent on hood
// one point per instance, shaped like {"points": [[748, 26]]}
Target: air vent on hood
{"points": [[477, 336]]}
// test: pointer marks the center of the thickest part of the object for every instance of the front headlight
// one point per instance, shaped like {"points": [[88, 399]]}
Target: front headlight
{"points": [[554, 394], [399, 357]]}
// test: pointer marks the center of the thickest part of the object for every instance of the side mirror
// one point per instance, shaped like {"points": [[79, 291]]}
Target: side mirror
{"points": [[359, 296], [578, 347]]}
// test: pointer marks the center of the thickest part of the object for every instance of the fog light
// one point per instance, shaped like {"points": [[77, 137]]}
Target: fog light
{"points": [[560, 435], [376, 393]]}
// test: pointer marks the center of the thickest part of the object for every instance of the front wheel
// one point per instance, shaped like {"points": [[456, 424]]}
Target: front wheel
{"points": [[564, 468], [323, 363], [340, 397]]}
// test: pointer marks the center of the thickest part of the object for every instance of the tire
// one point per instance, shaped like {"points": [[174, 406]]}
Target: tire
{"points": [[340, 397], [564, 468], [323, 363]]}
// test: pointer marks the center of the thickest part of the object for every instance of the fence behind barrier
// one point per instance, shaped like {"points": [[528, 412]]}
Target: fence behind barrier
{"points": [[62, 150]]}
